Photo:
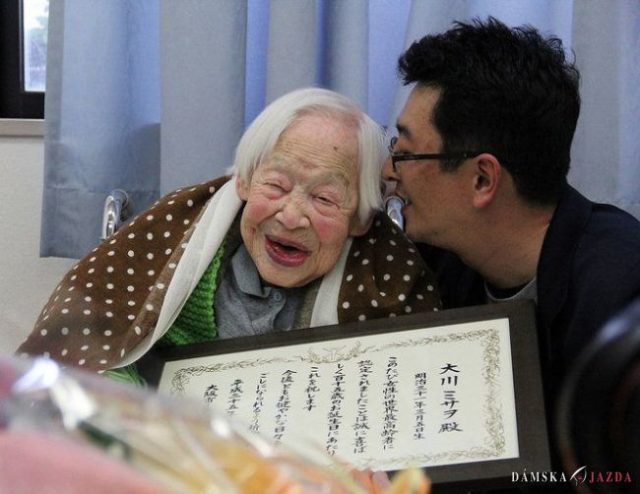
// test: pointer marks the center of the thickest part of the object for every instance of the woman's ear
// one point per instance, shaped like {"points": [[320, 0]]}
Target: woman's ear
{"points": [[242, 188], [486, 179]]}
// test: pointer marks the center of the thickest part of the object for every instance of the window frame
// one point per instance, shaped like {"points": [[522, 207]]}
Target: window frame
{"points": [[15, 103]]}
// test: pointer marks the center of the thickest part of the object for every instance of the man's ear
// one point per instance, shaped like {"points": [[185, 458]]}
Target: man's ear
{"points": [[486, 179], [358, 228], [242, 188]]}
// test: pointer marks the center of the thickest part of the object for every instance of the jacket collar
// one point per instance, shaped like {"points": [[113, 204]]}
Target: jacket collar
{"points": [[558, 251]]}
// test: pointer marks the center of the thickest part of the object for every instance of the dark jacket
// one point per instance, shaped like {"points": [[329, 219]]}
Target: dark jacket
{"points": [[589, 271]]}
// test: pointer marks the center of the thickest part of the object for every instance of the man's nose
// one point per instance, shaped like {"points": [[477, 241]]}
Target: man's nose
{"points": [[387, 170], [293, 215]]}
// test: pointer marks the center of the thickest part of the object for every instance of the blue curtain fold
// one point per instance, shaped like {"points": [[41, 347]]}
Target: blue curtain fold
{"points": [[606, 150], [150, 95], [102, 111]]}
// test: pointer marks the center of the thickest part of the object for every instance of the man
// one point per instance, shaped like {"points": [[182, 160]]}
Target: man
{"points": [[481, 159]]}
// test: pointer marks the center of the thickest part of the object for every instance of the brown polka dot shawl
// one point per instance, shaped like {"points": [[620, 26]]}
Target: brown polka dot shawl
{"points": [[116, 302]]}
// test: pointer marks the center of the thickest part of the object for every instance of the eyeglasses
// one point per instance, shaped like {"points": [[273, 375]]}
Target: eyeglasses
{"points": [[395, 158]]}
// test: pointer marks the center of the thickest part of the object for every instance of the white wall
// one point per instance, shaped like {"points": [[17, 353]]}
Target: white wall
{"points": [[25, 280]]}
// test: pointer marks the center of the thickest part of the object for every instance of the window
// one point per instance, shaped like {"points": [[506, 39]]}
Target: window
{"points": [[23, 47]]}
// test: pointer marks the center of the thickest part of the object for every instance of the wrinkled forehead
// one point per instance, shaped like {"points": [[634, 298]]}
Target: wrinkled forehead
{"points": [[324, 140], [332, 124]]}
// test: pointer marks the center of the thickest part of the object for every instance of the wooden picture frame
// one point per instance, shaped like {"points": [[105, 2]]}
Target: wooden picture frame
{"points": [[498, 382]]}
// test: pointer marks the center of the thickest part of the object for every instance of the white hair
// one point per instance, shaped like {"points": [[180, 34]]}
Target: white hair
{"points": [[260, 138]]}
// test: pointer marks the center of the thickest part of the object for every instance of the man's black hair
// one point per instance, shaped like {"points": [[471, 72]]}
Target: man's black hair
{"points": [[507, 91]]}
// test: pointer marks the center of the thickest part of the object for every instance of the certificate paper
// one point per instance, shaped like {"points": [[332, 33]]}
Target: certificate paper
{"points": [[422, 397]]}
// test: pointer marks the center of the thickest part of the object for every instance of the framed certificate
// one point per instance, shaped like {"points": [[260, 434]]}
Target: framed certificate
{"points": [[456, 392]]}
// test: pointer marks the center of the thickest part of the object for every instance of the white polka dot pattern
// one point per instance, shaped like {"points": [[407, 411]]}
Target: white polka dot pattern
{"points": [[392, 277], [110, 307]]}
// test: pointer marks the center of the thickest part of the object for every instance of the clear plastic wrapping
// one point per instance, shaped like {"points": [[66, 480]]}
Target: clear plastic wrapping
{"points": [[176, 443]]}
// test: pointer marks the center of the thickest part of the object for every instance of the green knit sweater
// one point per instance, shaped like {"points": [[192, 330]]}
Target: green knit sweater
{"points": [[196, 322]]}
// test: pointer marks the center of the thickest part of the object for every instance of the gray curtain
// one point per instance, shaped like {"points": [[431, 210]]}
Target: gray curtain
{"points": [[150, 95]]}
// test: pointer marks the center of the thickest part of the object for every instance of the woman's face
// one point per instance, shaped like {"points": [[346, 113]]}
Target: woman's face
{"points": [[302, 200]]}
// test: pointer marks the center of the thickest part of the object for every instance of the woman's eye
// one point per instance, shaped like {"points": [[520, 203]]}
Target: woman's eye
{"points": [[325, 200]]}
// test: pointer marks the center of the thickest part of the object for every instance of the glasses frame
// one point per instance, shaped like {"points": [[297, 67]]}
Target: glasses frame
{"points": [[398, 157]]}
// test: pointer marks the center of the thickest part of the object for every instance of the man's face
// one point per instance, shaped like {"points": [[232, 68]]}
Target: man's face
{"points": [[301, 201], [434, 197]]}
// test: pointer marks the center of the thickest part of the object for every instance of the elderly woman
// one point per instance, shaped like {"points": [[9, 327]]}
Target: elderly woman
{"points": [[293, 239]]}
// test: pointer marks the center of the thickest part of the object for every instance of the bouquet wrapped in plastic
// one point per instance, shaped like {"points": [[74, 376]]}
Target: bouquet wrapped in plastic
{"points": [[68, 429]]}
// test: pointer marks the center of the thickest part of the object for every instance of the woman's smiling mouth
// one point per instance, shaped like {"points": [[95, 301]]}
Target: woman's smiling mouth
{"points": [[284, 252]]}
